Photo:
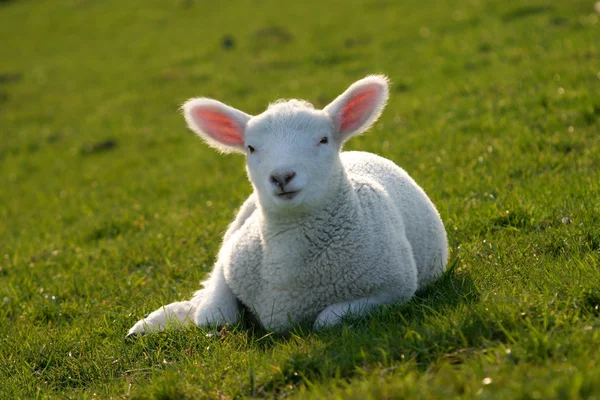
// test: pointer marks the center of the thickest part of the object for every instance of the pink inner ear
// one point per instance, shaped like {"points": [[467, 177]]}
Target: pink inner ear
{"points": [[219, 126], [358, 109]]}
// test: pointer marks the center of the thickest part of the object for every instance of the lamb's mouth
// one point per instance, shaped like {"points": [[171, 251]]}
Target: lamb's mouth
{"points": [[288, 195]]}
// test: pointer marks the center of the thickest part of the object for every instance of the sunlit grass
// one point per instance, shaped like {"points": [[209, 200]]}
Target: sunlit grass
{"points": [[109, 207]]}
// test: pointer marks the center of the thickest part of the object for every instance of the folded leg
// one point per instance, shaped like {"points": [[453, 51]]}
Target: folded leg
{"points": [[333, 314]]}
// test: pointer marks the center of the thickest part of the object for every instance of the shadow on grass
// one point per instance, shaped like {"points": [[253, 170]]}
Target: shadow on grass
{"points": [[525, 11], [440, 324], [419, 332]]}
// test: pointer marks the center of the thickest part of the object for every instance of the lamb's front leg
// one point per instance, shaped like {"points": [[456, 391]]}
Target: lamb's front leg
{"points": [[215, 305], [177, 314], [333, 314]]}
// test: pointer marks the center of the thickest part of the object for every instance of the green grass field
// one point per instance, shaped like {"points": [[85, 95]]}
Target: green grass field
{"points": [[110, 207]]}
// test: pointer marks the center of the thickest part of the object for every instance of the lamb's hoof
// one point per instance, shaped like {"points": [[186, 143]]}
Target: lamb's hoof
{"points": [[131, 336]]}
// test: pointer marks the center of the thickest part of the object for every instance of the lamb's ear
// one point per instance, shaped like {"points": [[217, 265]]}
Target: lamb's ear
{"points": [[355, 110], [221, 126]]}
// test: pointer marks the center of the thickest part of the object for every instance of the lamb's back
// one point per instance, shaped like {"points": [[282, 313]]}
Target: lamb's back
{"points": [[424, 228]]}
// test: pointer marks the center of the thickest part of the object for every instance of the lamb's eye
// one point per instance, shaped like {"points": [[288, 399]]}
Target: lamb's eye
{"points": [[325, 140], [251, 149]]}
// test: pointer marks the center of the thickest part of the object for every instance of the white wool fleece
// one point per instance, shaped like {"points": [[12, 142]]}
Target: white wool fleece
{"points": [[325, 233]]}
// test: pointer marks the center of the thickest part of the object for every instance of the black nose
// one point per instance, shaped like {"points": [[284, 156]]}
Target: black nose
{"points": [[282, 178]]}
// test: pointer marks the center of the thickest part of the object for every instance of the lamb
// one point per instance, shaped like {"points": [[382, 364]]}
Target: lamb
{"points": [[326, 233]]}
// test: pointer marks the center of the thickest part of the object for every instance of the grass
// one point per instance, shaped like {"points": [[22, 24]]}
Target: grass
{"points": [[110, 208]]}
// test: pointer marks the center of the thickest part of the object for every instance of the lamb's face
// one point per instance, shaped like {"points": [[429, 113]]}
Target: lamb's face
{"points": [[292, 149], [292, 155]]}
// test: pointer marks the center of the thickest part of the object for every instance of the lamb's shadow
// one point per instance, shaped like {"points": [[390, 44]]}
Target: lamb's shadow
{"points": [[394, 333], [420, 332]]}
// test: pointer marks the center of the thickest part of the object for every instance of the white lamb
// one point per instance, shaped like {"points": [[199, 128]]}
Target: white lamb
{"points": [[325, 233]]}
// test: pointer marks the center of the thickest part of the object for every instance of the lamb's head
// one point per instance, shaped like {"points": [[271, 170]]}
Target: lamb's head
{"points": [[292, 149]]}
